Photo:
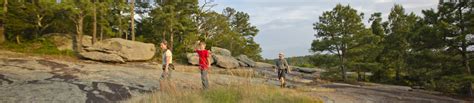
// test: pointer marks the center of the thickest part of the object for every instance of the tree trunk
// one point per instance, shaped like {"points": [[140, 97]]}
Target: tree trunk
{"points": [[164, 36], [120, 27], [101, 33], [2, 33], [171, 39], [359, 75], [343, 69], [343, 63], [132, 18], [2, 22], [465, 56], [364, 76], [18, 39], [126, 35], [397, 73], [94, 22], [79, 31]]}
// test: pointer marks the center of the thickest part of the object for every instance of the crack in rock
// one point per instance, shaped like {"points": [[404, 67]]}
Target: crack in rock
{"points": [[4, 78]]}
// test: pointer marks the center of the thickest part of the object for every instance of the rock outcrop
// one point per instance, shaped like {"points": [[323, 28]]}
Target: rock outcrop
{"points": [[223, 58], [249, 62], [226, 62], [102, 56], [44, 81], [108, 50], [306, 70], [193, 58], [220, 51]]}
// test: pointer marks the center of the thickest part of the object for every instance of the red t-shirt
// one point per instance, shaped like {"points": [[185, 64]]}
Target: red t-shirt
{"points": [[203, 55]]}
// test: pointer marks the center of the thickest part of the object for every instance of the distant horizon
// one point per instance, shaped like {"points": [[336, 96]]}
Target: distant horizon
{"points": [[286, 26]]}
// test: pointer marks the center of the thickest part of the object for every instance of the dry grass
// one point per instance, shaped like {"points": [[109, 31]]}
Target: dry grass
{"points": [[240, 72], [239, 92], [227, 94]]}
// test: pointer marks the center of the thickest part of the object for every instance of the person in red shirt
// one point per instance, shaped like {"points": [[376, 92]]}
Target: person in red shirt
{"points": [[204, 62]]}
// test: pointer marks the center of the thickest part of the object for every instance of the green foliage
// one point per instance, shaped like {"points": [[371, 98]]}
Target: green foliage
{"points": [[431, 52], [184, 23], [41, 46], [179, 22], [341, 32]]}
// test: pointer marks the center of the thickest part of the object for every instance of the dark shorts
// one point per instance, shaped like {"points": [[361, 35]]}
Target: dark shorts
{"points": [[282, 73], [171, 67], [167, 75]]}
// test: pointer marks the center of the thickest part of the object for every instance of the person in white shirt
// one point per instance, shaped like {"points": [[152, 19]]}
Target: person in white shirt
{"points": [[167, 58]]}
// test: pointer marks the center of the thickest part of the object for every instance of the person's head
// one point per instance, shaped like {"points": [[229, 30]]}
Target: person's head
{"points": [[281, 55], [202, 45], [164, 45]]}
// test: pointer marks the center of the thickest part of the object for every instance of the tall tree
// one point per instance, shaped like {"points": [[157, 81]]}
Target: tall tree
{"points": [[456, 25], [378, 30], [335, 31], [399, 29], [2, 21], [94, 21], [240, 23], [78, 10], [132, 19], [118, 23]]}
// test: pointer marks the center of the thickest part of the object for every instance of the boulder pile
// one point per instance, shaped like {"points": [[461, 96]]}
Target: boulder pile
{"points": [[223, 58]]}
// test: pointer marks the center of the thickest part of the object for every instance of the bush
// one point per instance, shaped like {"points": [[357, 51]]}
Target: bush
{"points": [[453, 84]]}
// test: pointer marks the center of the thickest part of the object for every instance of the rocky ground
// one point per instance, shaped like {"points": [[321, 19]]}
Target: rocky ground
{"points": [[368, 93], [38, 79]]}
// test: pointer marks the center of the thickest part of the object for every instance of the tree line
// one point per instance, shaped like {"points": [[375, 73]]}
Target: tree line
{"points": [[432, 51], [180, 22]]}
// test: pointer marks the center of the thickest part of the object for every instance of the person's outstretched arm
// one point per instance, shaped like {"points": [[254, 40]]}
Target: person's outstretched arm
{"points": [[196, 45]]}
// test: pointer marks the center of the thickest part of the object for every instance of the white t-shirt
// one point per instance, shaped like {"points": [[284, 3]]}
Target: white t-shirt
{"points": [[167, 54]]}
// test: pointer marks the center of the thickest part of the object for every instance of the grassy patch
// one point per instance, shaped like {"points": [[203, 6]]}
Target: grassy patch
{"points": [[229, 94], [40, 46]]}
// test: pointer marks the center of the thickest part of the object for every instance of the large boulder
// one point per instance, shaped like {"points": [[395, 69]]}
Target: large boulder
{"points": [[242, 64], [193, 58], [226, 62], [246, 60], [220, 51], [306, 70], [125, 49], [86, 41], [102, 56]]}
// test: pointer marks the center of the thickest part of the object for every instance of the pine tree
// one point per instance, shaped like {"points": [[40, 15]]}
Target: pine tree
{"points": [[335, 33]]}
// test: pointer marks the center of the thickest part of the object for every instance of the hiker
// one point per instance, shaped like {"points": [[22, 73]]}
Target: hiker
{"points": [[167, 58], [204, 62], [282, 69]]}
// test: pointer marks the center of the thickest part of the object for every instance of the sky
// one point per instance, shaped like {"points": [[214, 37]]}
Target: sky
{"points": [[286, 25]]}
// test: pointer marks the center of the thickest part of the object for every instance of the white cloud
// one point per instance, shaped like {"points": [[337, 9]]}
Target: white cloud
{"points": [[286, 25], [382, 1]]}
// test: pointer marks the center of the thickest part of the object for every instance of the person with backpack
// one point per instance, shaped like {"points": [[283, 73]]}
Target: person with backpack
{"points": [[282, 69], [167, 61]]}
